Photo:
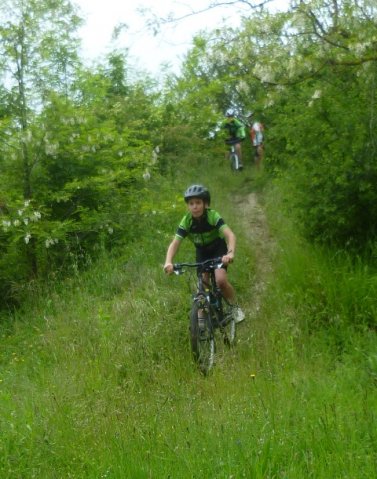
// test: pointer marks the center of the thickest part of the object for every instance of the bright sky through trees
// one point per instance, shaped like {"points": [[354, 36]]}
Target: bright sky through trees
{"points": [[146, 50]]}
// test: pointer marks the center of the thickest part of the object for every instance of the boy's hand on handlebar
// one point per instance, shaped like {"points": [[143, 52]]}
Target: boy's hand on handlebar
{"points": [[228, 258], [168, 268]]}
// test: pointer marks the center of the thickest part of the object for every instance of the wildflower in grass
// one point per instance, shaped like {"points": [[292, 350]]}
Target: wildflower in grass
{"points": [[16, 223], [27, 238]]}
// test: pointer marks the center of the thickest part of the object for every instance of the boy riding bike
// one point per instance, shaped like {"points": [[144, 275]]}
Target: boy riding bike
{"points": [[236, 132], [211, 236]]}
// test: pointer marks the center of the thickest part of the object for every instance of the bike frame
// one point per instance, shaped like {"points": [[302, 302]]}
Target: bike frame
{"points": [[208, 290]]}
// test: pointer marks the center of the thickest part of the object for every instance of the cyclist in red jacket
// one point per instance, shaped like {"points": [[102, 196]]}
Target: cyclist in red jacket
{"points": [[257, 139]]}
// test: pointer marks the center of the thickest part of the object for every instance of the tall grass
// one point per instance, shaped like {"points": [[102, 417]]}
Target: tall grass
{"points": [[97, 381]]}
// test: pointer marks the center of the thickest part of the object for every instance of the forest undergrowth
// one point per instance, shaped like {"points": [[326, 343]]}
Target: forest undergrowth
{"points": [[97, 380]]}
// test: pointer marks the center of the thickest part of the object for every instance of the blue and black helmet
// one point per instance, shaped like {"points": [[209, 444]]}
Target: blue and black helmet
{"points": [[197, 191]]}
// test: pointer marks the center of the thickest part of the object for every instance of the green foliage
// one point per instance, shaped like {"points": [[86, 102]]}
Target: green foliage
{"points": [[331, 161], [328, 290], [87, 157]]}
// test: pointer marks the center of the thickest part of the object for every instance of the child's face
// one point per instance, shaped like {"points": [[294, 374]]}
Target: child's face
{"points": [[196, 207]]}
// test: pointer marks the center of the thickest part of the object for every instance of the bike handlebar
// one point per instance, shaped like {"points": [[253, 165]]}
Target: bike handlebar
{"points": [[209, 264]]}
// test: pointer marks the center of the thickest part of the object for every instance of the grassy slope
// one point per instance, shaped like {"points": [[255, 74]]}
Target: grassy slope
{"points": [[97, 381]]}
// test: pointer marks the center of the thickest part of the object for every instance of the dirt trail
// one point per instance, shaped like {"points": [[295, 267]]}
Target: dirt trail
{"points": [[255, 225]]}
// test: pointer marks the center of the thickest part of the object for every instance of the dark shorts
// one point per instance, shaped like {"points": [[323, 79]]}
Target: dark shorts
{"points": [[214, 250], [234, 141]]}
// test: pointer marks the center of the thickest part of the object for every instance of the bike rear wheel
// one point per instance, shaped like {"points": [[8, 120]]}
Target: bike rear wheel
{"points": [[202, 339]]}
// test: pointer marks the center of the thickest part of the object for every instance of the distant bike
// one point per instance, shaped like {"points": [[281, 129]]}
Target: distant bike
{"points": [[235, 162], [210, 313]]}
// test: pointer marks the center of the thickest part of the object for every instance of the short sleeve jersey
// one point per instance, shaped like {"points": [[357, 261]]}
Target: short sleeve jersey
{"points": [[235, 128], [203, 231]]}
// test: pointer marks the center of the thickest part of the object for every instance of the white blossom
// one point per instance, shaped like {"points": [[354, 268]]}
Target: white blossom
{"points": [[51, 148], [146, 175], [27, 238], [243, 86], [317, 94], [51, 241], [110, 230], [16, 223]]}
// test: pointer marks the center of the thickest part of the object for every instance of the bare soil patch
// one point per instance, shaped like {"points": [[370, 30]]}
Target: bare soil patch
{"points": [[255, 226]]}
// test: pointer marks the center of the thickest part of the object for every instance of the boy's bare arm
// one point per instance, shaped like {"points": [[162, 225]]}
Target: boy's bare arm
{"points": [[230, 239], [171, 252]]}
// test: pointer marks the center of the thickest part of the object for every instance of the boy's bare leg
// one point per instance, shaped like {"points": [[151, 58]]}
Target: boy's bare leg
{"points": [[239, 151], [223, 283]]}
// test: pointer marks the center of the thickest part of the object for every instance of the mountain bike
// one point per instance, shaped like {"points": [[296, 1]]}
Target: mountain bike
{"points": [[235, 162], [210, 313]]}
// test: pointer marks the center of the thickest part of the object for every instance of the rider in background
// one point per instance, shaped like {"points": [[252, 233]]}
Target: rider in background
{"points": [[257, 139], [236, 132]]}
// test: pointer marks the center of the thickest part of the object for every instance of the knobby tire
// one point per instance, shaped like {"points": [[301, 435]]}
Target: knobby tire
{"points": [[234, 162], [202, 342]]}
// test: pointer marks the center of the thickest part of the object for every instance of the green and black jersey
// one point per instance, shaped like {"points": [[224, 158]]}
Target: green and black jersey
{"points": [[204, 231], [235, 128]]}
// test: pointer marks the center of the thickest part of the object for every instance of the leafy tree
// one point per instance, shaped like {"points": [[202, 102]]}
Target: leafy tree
{"points": [[77, 144], [38, 52]]}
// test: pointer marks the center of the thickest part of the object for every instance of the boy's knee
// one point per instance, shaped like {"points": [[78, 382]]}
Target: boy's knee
{"points": [[222, 283]]}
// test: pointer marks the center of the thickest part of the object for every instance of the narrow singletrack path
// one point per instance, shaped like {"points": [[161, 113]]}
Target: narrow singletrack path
{"points": [[255, 227]]}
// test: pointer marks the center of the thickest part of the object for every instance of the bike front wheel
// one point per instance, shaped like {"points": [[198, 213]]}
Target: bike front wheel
{"points": [[202, 338], [235, 162]]}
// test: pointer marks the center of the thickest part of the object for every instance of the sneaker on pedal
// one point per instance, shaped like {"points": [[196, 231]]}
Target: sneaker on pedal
{"points": [[239, 315]]}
